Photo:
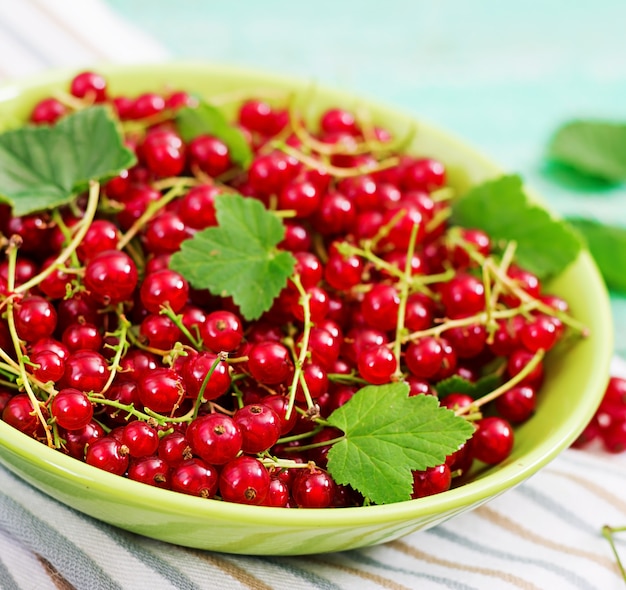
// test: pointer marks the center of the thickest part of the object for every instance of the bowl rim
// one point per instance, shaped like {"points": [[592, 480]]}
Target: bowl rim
{"points": [[468, 494]]}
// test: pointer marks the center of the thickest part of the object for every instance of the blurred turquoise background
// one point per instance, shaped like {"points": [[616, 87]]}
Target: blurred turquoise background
{"points": [[501, 75]]}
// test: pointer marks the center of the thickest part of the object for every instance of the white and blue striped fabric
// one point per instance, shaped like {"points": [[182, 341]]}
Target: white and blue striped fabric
{"points": [[542, 535]]}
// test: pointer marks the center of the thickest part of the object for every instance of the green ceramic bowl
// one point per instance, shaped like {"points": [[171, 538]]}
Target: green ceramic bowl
{"points": [[573, 387]]}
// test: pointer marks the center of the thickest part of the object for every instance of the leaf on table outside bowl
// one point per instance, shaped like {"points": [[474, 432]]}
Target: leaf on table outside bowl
{"points": [[607, 244], [205, 119], [545, 245], [388, 435], [238, 257], [596, 148], [44, 166]]}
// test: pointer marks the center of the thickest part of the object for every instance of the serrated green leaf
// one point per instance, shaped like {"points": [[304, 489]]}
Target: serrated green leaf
{"points": [[476, 389], [205, 119], [42, 167], [238, 257], [597, 148], [545, 245], [607, 244], [387, 436]]}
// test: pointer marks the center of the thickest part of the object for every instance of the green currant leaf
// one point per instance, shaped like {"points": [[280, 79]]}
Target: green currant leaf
{"points": [[238, 257], [387, 436], [477, 389], [205, 119], [545, 245], [43, 166], [596, 148], [607, 244]]}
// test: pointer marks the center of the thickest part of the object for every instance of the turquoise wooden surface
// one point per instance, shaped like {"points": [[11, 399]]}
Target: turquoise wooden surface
{"points": [[502, 75]]}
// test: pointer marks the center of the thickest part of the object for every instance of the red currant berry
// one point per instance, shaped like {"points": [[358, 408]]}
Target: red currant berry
{"points": [[222, 331], [161, 390], [244, 480], [433, 480], [215, 438], [108, 454], [150, 470], [89, 85], [163, 152], [260, 427], [164, 287], [492, 442], [35, 318], [71, 409], [141, 439], [270, 363], [314, 488], [195, 477], [111, 277], [48, 111], [377, 365]]}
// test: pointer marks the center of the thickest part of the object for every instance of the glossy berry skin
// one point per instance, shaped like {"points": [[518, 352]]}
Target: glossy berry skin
{"points": [[161, 390], [517, 404], [163, 151], [270, 363], [48, 111], [215, 438], [222, 331], [18, 412], [210, 154], [423, 357], [141, 439], [314, 488], [35, 318], [86, 370], [197, 208], [195, 477], [108, 454], [493, 440], [111, 277], [164, 233], [433, 480], [244, 480], [196, 370], [380, 307], [164, 287], [151, 471], [76, 441], [89, 85], [260, 427], [377, 364], [71, 409], [463, 295], [50, 367]]}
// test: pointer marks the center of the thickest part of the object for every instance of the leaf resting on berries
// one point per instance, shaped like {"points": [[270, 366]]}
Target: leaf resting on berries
{"points": [[42, 167], [389, 434], [477, 389], [238, 257], [205, 119], [502, 209]]}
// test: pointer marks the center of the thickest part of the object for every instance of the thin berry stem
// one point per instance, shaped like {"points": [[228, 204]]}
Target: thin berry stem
{"points": [[608, 534], [23, 374], [153, 208], [304, 349], [196, 407], [68, 251], [485, 399], [404, 295], [120, 348]]}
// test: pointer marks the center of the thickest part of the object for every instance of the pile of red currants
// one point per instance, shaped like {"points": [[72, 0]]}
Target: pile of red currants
{"points": [[133, 370]]}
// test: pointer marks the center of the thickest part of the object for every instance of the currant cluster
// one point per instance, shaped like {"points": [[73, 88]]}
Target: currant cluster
{"points": [[112, 357], [608, 425]]}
